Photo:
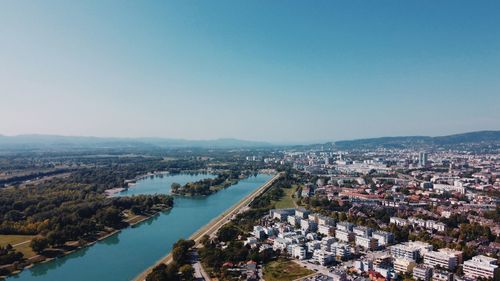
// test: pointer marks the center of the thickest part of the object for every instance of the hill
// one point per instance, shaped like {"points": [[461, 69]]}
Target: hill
{"points": [[485, 137]]}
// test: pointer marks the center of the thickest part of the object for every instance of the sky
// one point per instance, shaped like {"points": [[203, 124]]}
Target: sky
{"points": [[283, 71]]}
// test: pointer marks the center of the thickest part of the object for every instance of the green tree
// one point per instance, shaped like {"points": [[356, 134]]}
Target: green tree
{"points": [[187, 272], [39, 244]]}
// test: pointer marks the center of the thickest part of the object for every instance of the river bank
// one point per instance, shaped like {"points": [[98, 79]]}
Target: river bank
{"points": [[135, 248], [73, 246], [213, 226]]}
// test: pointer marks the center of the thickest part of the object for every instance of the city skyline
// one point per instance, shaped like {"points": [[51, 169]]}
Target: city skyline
{"points": [[256, 70]]}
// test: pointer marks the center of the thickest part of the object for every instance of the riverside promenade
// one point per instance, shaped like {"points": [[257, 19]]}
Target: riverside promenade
{"points": [[213, 226]]}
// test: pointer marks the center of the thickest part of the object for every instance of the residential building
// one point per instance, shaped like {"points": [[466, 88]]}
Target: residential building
{"points": [[445, 258], [440, 188], [259, 232], [326, 229], [398, 221], [411, 250], [293, 220], [323, 257], [324, 220], [345, 226], [422, 272], [342, 250], [313, 245], [281, 214], [298, 252], [301, 213], [363, 265], [362, 231], [404, 265], [366, 242], [481, 266], [307, 225], [344, 236], [441, 275], [384, 238]]}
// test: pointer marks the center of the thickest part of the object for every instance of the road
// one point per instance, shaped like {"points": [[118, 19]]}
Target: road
{"points": [[213, 226]]}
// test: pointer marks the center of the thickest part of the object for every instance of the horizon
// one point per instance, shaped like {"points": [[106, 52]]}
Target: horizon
{"points": [[258, 71], [312, 142]]}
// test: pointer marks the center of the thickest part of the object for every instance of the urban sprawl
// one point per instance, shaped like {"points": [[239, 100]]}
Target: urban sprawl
{"points": [[411, 214]]}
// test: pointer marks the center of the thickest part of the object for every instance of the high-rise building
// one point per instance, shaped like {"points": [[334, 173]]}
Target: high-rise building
{"points": [[422, 159]]}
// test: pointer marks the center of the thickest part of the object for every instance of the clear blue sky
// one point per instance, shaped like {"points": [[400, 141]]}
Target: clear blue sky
{"points": [[258, 70]]}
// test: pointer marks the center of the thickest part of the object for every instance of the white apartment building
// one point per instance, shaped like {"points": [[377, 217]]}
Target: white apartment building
{"points": [[323, 220], [366, 242], [383, 238], [398, 221], [445, 258], [345, 226], [307, 225], [327, 242], [293, 220], [362, 231], [344, 236], [280, 244], [422, 273], [481, 266], [323, 257], [313, 245], [314, 217], [441, 275], [341, 250], [411, 250], [431, 224], [441, 188], [281, 214], [298, 252], [404, 265], [259, 232], [301, 213], [325, 229]]}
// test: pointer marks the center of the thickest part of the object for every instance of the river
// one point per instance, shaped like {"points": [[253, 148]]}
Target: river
{"points": [[123, 256]]}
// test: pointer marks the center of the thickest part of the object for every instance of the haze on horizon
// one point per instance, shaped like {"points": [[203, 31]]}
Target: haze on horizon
{"points": [[255, 70]]}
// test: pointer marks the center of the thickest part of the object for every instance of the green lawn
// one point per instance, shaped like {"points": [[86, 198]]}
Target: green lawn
{"points": [[284, 270], [287, 201], [18, 239]]}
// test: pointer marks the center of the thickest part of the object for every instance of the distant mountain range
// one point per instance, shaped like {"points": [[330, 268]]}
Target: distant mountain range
{"points": [[407, 141], [54, 142], [61, 142]]}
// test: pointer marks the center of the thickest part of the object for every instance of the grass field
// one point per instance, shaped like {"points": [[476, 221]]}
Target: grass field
{"points": [[22, 240], [284, 270], [287, 201]]}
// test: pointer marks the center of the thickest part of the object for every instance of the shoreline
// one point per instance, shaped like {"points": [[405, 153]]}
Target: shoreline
{"points": [[132, 182], [215, 224], [39, 259], [208, 228]]}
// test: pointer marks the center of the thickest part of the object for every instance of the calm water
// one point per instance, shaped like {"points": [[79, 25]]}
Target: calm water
{"points": [[126, 254]]}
